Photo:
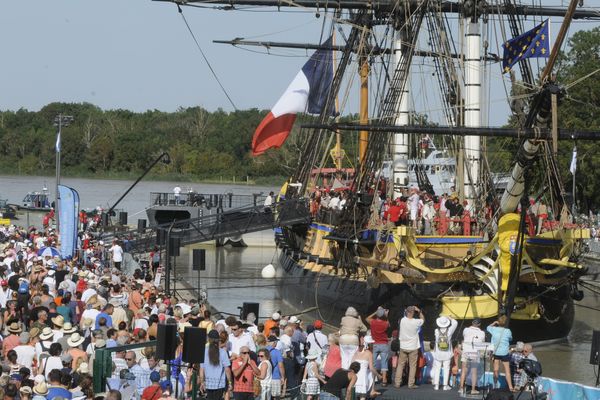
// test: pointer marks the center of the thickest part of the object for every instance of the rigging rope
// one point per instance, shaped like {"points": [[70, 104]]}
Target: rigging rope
{"points": [[205, 58]]}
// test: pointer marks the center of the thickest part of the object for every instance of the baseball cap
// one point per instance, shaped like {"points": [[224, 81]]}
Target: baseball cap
{"points": [[154, 376]]}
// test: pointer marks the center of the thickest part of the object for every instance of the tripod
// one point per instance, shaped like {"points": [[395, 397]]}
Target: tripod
{"points": [[532, 388]]}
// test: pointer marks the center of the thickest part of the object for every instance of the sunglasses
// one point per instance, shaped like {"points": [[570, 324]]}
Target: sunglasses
{"points": [[234, 330], [261, 356], [245, 352], [129, 359]]}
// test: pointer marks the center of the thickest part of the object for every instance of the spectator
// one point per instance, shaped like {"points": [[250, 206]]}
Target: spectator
{"points": [[409, 345]]}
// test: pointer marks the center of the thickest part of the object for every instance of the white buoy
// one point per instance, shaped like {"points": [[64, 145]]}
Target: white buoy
{"points": [[268, 272]]}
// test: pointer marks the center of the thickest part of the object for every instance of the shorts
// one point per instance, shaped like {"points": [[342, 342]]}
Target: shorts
{"points": [[276, 388], [469, 357], [505, 358]]}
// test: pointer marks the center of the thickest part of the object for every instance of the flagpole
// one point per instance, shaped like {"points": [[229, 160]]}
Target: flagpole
{"points": [[59, 121], [57, 196]]}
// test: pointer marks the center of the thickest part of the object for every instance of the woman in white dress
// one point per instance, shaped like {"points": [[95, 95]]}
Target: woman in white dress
{"points": [[366, 375], [265, 371], [312, 378]]}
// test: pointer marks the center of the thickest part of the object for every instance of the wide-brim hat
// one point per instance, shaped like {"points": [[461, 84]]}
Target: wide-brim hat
{"points": [[14, 328], [146, 351], [34, 332], [59, 320], [68, 328], [75, 340], [46, 333], [41, 389], [83, 368], [87, 322], [442, 322]]}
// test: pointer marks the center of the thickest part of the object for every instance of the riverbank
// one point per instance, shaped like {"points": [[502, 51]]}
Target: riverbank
{"points": [[275, 180]]}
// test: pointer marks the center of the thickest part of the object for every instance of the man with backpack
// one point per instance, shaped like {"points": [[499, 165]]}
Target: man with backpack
{"points": [[443, 351]]}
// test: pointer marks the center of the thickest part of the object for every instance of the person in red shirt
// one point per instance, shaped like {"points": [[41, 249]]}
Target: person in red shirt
{"points": [[244, 369], [154, 391], [394, 213], [379, 324]]}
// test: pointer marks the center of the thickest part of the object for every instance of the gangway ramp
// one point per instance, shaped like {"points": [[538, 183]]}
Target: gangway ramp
{"points": [[232, 223]]}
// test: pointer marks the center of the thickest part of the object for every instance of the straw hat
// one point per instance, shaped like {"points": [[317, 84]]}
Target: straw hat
{"points": [[14, 328], [443, 322], [75, 340], [46, 333], [34, 332], [68, 328], [59, 320], [87, 322], [41, 389], [83, 368]]}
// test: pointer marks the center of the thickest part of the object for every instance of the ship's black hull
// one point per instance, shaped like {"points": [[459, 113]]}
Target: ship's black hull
{"points": [[333, 294]]}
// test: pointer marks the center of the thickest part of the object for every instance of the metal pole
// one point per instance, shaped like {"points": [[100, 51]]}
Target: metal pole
{"points": [[57, 198], [573, 207]]}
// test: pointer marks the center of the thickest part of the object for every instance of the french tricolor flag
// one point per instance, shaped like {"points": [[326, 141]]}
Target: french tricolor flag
{"points": [[307, 93]]}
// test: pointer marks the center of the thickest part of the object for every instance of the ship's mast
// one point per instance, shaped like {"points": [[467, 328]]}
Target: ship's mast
{"points": [[403, 119], [472, 104], [363, 136]]}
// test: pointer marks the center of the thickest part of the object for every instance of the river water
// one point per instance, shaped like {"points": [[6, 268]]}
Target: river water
{"points": [[233, 275]]}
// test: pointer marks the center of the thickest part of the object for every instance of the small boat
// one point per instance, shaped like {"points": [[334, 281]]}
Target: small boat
{"points": [[37, 201]]}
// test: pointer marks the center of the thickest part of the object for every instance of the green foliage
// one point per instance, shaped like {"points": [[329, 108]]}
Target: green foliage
{"points": [[202, 145]]}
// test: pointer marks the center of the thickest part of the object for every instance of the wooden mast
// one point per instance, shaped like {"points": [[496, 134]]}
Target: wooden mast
{"points": [[363, 136]]}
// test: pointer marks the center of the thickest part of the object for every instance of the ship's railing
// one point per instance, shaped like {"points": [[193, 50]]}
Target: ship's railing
{"points": [[206, 200]]}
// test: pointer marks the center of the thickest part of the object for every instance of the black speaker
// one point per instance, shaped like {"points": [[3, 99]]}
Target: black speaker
{"points": [[104, 219], [123, 217], [248, 308], [174, 245], [595, 350], [141, 225], [199, 259], [166, 341], [499, 394], [194, 344]]}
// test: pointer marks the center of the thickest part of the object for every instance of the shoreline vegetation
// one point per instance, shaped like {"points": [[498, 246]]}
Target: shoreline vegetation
{"points": [[203, 146], [130, 176]]}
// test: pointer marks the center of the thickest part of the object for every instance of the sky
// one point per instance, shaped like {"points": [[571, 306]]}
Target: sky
{"points": [[139, 55]]}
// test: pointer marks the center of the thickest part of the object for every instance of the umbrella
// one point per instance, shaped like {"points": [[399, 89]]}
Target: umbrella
{"points": [[48, 252]]}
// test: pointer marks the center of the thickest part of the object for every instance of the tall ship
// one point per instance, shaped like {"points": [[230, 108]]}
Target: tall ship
{"points": [[468, 241]]}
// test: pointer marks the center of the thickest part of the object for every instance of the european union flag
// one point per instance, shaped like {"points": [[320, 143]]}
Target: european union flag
{"points": [[534, 43]]}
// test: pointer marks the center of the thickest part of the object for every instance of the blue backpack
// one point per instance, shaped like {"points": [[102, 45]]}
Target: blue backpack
{"points": [[23, 287]]}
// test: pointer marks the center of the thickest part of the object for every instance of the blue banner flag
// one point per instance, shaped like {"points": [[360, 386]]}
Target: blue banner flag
{"points": [[69, 217], [534, 43]]}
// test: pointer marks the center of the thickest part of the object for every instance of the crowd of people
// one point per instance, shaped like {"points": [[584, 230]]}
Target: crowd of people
{"points": [[428, 214], [422, 211], [56, 313]]}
